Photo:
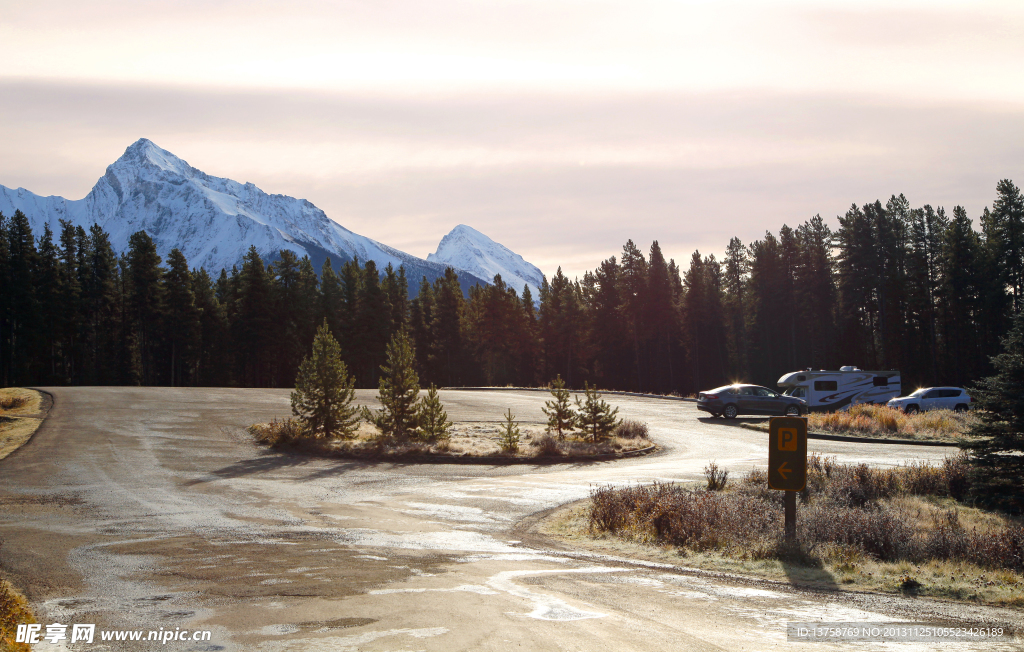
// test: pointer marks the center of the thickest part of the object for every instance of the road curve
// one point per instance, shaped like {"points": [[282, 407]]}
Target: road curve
{"points": [[148, 508]]}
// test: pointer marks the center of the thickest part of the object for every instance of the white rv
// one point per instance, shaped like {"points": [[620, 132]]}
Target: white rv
{"points": [[827, 391]]}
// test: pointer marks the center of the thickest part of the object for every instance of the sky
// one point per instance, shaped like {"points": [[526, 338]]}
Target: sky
{"points": [[560, 128]]}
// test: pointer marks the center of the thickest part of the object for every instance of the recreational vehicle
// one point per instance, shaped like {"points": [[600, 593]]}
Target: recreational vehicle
{"points": [[837, 390]]}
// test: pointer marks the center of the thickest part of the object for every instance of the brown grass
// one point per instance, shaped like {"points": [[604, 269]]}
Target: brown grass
{"points": [[13, 612], [12, 402], [884, 421], [18, 401], [16, 429], [886, 529]]}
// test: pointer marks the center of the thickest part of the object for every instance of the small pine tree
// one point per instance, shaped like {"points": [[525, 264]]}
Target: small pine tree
{"points": [[323, 394], [595, 416], [398, 391], [510, 433], [433, 420], [997, 457], [561, 417]]}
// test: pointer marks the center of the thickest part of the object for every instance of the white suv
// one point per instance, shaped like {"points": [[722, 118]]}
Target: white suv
{"points": [[933, 398]]}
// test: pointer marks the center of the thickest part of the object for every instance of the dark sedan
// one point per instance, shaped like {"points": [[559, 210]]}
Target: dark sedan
{"points": [[732, 400]]}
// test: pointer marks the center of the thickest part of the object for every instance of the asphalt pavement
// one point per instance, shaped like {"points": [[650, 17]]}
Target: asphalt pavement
{"points": [[150, 508]]}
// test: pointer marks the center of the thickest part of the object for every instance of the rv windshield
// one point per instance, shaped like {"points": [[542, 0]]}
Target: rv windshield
{"points": [[799, 392]]}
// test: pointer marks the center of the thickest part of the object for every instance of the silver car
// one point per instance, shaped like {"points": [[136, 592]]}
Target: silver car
{"points": [[933, 398]]}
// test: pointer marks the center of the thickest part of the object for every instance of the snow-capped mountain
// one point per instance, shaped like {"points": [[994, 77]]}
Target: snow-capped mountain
{"points": [[468, 249], [213, 221]]}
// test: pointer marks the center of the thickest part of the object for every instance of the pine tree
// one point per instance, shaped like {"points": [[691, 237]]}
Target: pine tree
{"points": [[254, 320], [509, 437], [734, 283], [323, 394], [561, 417], [212, 363], [145, 302], [446, 329], [595, 415], [421, 311], [372, 323], [997, 457], [433, 420], [398, 390], [181, 327]]}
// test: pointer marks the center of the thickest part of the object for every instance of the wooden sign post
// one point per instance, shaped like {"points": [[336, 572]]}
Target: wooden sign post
{"points": [[787, 463]]}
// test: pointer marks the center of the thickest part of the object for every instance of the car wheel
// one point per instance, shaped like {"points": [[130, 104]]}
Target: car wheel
{"points": [[960, 408], [730, 412], [912, 409], [792, 411]]}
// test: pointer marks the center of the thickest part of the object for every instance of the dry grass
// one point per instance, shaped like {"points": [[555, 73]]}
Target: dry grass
{"points": [[884, 421], [14, 432], [13, 611], [18, 401], [467, 440], [15, 429], [894, 530]]}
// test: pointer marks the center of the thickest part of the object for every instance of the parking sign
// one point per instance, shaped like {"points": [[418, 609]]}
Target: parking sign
{"points": [[787, 453]]}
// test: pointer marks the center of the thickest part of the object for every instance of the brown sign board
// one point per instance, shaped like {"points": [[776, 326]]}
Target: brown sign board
{"points": [[787, 453]]}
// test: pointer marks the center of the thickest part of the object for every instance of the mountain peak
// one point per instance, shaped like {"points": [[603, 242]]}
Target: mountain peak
{"points": [[212, 220], [145, 152], [466, 248]]}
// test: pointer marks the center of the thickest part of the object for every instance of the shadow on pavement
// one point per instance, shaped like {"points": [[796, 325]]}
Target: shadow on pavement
{"points": [[732, 422], [275, 461]]}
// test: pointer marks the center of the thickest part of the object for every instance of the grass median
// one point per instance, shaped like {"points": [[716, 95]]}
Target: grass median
{"points": [[15, 427], [899, 530], [467, 440]]}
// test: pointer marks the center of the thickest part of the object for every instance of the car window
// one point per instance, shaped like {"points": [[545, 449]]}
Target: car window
{"points": [[932, 394], [761, 391], [951, 393], [918, 394], [745, 391]]}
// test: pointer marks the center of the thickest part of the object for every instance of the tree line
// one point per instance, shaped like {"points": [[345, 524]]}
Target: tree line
{"points": [[894, 287]]}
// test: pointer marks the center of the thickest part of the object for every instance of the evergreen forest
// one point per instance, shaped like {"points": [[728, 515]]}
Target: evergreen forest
{"points": [[894, 287]]}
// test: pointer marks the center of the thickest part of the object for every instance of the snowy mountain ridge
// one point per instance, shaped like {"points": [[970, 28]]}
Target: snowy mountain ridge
{"points": [[466, 248], [212, 220]]}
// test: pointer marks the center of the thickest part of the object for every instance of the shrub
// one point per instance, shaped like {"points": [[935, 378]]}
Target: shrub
{"points": [[716, 478], [848, 513], [547, 445], [12, 402], [632, 429], [882, 532], [277, 433]]}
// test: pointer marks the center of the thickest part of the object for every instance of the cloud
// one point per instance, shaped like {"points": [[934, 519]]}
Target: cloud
{"points": [[562, 178]]}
